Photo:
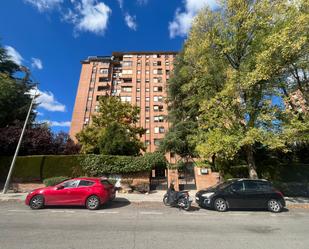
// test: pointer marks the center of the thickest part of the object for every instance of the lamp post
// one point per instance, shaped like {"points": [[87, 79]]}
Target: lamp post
{"points": [[7, 182]]}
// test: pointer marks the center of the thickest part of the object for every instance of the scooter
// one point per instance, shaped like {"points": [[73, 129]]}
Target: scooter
{"points": [[179, 199]]}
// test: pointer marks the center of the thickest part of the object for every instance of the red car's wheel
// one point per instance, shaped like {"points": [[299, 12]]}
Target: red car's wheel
{"points": [[37, 202], [93, 202]]}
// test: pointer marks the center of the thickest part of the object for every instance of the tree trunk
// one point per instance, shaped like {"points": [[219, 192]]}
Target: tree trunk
{"points": [[251, 162]]}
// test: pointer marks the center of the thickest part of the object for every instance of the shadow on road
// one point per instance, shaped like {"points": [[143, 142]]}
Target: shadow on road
{"points": [[117, 203]]}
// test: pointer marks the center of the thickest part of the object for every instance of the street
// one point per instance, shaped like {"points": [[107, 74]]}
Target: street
{"points": [[149, 225]]}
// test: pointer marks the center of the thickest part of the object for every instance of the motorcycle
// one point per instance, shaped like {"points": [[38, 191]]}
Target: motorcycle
{"points": [[179, 199]]}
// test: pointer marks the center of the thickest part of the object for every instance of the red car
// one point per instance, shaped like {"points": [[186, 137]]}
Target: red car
{"points": [[86, 191]]}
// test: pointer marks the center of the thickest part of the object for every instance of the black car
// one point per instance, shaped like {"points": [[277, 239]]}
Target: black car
{"points": [[241, 194]]}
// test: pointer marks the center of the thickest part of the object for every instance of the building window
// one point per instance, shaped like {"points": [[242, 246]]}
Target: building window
{"points": [[139, 56], [156, 63], [103, 71], [125, 98], [147, 72], [159, 130], [103, 88], [147, 99], [157, 98], [127, 71], [103, 79], [127, 56], [147, 90], [138, 80], [127, 80], [86, 121], [89, 98], [147, 143], [158, 108], [167, 63], [158, 71], [147, 119], [157, 88], [138, 90], [138, 71], [167, 72], [127, 63], [126, 89], [147, 108], [157, 80], [147, 63], [147, 56], [138, 99], [147, 131], [158, 119], [96, 108], [157, 141]]}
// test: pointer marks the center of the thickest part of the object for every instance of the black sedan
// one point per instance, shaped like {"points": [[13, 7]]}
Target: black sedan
{"points": [[241, 194]]}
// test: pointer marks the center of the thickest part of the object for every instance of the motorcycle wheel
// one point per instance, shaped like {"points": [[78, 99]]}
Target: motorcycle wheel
{"points": [[165, 201], [187, 205]]}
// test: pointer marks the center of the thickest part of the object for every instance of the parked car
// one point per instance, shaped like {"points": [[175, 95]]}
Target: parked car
{"points": [[85, 191], [241, 194]]}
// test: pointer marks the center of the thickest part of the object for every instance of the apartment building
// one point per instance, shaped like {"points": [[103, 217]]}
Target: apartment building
{"points": [[139, 78]]}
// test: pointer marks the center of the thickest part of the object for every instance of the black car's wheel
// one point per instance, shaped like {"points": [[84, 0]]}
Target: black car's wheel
{"points": [[274, 206], [93, 202], [37, 202], [220, 205], [165, 200]]}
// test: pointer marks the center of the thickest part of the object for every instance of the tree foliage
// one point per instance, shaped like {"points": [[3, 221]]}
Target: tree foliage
{"points": [[113, 130], [14, 104], [38, 140], [236, 77]]}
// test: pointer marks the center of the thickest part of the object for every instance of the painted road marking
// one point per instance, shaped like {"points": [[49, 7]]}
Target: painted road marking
{"points": [[154, 213], [106, 212]]}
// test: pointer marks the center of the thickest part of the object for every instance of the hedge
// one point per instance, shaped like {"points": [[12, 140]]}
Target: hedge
{"points": [[97, 165], [54, 180], [37, 168], [29, 168]]}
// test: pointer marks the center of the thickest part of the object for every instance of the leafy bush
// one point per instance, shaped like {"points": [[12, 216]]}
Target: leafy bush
{"points": [[98, 165], [27, 168], [61, 165], [54, 180]]}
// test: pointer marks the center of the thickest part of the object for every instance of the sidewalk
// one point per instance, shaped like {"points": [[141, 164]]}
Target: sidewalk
{"points": [[157, 196]]}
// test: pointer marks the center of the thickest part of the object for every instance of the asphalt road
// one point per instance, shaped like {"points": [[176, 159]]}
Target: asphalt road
{"points": [[148, 226]]}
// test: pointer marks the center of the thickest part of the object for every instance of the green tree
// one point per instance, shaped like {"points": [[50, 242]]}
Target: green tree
{"points": [[14, 104], [237, 60], [113, 130]]}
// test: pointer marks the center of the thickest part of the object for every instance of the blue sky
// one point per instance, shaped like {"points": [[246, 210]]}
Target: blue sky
{"points": [[51, 37]]}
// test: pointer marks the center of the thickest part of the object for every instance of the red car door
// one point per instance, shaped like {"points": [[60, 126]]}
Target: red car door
{"points": [[64, 194]]}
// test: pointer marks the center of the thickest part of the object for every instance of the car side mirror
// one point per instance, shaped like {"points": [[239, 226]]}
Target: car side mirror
{"points": [[60, 187]]}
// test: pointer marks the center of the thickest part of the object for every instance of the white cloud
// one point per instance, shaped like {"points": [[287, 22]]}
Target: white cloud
{"points": [[182, 22], [14, 55], [89, 15], [45, 5], [56, 123], [46, 100], [36, 63], [130, 21]]}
